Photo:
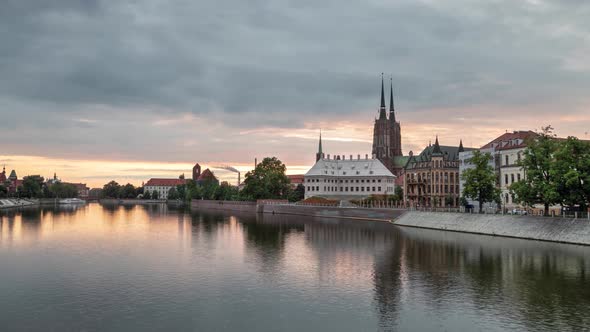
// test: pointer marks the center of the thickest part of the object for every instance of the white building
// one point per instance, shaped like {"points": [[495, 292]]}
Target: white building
{"points": [[161, 186], [352, 178], [507, 149]]}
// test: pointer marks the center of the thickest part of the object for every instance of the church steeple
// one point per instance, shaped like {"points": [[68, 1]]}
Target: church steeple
{"points": [[436, 151], [461, 149], [391, 107], [320, 154], [382, 114]]}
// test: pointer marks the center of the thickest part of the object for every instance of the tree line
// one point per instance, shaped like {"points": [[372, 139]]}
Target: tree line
{"points": [[34, 186], [267, 181]]}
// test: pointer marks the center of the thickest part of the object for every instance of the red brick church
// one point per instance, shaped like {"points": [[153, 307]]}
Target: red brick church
{"points": [[387, 137]]}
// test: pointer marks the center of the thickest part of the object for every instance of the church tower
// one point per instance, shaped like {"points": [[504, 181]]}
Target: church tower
{"points": [[319, 155], [387, 142]]}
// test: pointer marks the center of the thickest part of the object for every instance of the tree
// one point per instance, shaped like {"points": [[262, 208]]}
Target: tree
{"points": [[111, 190], [480, 180], [60, 190], [32, 186], [172, 194], [571, 171], [297, 194], [181, 190], [540, 184], [398, 193], [267, 180], [127, 191], [147, 195], [3, 191], [155, 195]]}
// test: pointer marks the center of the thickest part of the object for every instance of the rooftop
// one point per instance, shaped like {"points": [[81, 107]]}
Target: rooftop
{"points": [[348, 167]]}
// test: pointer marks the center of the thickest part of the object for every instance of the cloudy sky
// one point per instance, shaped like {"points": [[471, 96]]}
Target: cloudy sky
{"points": [[95, 90]]}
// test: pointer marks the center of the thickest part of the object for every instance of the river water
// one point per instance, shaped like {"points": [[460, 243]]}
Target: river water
{"points": [[153, 268]]}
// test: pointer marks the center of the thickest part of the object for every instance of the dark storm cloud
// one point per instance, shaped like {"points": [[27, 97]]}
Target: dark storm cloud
{"points": [[278, 63]]}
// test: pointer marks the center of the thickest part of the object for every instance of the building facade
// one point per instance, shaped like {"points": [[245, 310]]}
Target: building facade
{"points": [[161, 186], [387, 139], [344, 179], [508, 149], [432, 178]]}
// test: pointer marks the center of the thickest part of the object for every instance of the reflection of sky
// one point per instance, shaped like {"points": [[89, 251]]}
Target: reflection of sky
{"points": [[180, 271]]}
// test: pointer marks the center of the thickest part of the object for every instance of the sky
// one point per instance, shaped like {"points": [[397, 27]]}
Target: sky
{"points": [[127, 90]]}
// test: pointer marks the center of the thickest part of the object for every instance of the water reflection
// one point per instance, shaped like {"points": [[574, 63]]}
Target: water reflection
{"points": [[303, 273]]}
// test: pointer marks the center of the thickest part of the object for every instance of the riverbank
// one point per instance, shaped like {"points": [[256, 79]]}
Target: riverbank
{"points": [[131, 201], [562, 230]]}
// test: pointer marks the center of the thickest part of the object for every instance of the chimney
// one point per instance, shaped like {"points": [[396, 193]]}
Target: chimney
{"points": [[328, 156], [255, 162], [358, 157], [350, 157], [367, 156], [239, 179]]}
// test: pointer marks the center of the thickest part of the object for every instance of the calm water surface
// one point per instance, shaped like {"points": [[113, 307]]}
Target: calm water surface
{"points": [[142, 268]]}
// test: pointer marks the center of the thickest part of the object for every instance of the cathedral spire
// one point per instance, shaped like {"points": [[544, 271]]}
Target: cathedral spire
{"points": [[382, 114], [320, 153], [436, 150], [391, 107], [461, 149]]}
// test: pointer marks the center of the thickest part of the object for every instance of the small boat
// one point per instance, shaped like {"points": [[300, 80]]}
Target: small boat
{"points": [[71, 201]]}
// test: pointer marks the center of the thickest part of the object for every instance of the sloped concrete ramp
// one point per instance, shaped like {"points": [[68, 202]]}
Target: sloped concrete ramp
{"points": [[576, 231]]}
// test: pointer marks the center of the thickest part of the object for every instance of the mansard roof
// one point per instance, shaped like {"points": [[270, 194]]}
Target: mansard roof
{"points": [[449, 153], [345, 168]]}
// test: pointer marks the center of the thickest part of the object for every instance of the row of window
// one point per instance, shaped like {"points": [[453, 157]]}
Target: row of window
{"points": [[345, 189], [346, 181], [436, 189], [506, 183], [444, 177]]}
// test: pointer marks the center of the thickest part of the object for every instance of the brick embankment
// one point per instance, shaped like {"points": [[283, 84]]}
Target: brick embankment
{"points": [[575, 231]]}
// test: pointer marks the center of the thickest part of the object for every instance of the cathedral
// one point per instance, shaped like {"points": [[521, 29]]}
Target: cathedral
{"points": [[387, 137]]}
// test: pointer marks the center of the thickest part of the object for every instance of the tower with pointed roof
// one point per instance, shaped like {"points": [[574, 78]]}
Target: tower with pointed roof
{"points": [[320, 154], [387, 146]]}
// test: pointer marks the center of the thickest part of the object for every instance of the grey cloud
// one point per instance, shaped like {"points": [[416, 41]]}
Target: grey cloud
{"points": [[272, 63]]}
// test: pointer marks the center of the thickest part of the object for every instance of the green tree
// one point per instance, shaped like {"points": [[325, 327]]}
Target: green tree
{"points": [[297, 194], [571, 171], [480, 180], [61, 190], [127, 191], [155, 195], [147, 195], [267, 180], [181, 190], [3, 191], [32, 186], [540, 185], [111, 190], [172, 194], [398, 194]]}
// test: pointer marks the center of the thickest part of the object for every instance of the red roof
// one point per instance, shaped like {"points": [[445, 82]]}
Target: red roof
{"points": [[296, 178], [207, 175], [165, 182], [513, 140]]}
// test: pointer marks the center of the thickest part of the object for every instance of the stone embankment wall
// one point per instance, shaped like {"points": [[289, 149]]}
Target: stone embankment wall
{"points": [[576, 231], [334, 212], [224, 205], [131, 201]]}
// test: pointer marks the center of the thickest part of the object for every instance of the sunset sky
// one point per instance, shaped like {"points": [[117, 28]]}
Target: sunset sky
{"points": [[128, 90]]}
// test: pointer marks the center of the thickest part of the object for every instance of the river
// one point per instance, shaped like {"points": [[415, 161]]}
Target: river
{"points": [[155, 268]]}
